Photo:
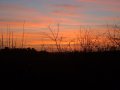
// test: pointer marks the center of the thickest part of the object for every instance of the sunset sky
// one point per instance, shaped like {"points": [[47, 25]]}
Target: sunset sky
{"points": [[38, 14]]}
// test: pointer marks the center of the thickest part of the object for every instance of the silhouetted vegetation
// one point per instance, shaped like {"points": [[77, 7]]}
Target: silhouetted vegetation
{"points": [[90, 68], [85, 41], [92, 64]]}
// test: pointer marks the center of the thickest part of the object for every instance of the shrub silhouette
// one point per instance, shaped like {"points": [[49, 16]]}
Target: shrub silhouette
{"points": [[83, 42]]}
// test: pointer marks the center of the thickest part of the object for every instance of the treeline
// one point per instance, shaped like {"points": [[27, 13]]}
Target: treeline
{"points": [[85, 41]]}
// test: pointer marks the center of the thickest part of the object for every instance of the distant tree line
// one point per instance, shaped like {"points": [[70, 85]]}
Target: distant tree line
{"points": [[84, 41]]}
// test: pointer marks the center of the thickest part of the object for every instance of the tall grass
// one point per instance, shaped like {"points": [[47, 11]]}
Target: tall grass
{"points": [[23, 34], [2, 41]]}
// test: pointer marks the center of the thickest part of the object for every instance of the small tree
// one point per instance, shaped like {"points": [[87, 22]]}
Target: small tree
{"points": [[85, 40], [55, 36], [113, 35]]}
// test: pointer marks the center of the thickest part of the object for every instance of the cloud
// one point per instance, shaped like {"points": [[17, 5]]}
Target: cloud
{"points": [[63, 13], [66, 6], [106, 7], [101, 2], [87, 0], [16, 12], [15, 15]]}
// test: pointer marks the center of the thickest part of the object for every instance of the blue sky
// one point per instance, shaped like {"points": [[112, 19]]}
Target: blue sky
{"points": [[63, 11]]}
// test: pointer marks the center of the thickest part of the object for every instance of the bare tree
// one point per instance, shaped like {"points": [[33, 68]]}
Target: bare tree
{"points": [[113, 34], [69, 45], [55, 36], [85, 40]]}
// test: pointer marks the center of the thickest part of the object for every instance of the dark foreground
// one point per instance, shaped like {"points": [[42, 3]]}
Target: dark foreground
{"points": [[99, 70]]}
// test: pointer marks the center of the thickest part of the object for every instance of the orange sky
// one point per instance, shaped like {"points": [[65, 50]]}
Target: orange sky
{"points": [[70, 14]]}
